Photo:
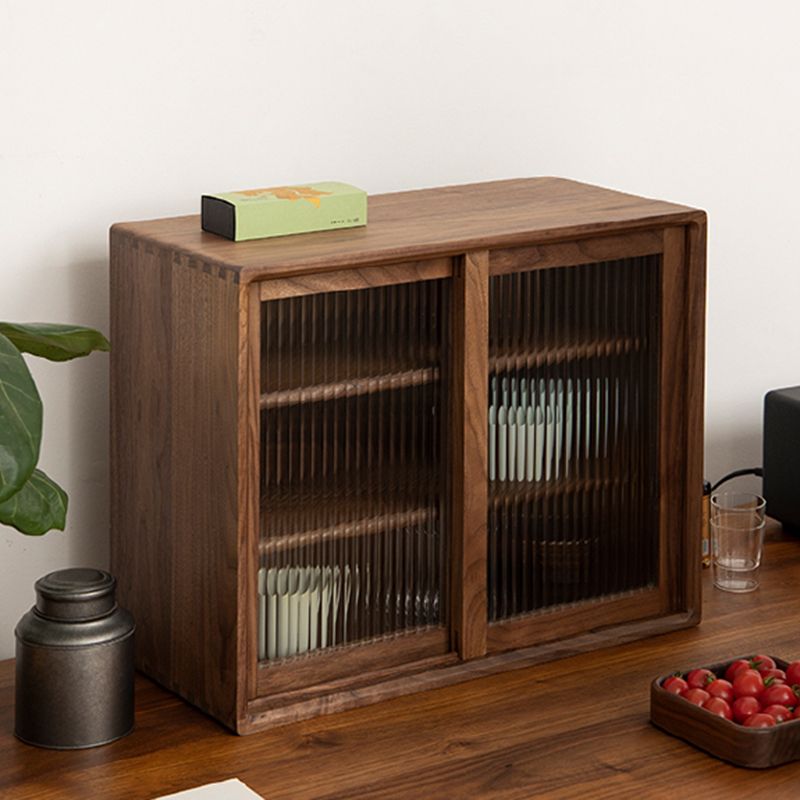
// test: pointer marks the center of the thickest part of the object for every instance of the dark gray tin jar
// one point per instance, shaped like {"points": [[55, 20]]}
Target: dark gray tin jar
{"points": [[74, 672]]}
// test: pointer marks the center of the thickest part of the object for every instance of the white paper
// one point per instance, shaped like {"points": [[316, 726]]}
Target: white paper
{"points": [[232, 789]]}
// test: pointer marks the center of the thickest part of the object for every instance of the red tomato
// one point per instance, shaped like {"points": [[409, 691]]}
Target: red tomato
{"points": [[745, 707], [760, 721], [761, 663], [796, 713], [780, 694], [716, 705], [675, 685], [748, 683], [696, 696], [773, 676], [793, 673], [780, 712], [735, 668], [722, 689], [700, 678]]}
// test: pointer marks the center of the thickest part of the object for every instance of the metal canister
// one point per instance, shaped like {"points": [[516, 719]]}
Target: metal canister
{"points": [[74, 671]]}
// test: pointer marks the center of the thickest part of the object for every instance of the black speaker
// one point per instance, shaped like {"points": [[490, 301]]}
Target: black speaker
{"points": [[782, 456]]}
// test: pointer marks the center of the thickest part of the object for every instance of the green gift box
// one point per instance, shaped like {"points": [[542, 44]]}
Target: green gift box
{"points": [[282, 210]]}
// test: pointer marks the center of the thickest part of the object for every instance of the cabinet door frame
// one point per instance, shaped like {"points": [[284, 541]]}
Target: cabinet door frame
{"points": [[266, 687], [680, 393]]}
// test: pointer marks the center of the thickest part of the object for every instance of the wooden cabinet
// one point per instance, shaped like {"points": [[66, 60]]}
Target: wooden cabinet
{"points": [[356, 464]]}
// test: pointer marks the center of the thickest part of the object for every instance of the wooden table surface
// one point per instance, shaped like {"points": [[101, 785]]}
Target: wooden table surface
{"points": [[571, 728]]}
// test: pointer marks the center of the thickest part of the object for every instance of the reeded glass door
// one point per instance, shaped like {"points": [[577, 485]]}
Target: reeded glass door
{"points": [[354, 544], [573, 413]]}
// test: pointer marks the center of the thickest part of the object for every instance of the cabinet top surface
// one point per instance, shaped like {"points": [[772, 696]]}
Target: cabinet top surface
{"points": [[422, 223]]}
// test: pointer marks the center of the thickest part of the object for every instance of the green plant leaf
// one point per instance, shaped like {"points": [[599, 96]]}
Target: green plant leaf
{"points": [[52, 341], [20, 420], [39, 506]]}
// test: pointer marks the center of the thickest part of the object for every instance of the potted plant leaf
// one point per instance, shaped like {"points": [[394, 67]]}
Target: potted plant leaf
{"points": [[30, 501]]}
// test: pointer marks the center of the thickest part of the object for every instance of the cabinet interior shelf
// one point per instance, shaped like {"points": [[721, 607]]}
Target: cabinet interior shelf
{"points": [[404, 379], [503, 360], [350, 529], [513, 491], [349, 387]]}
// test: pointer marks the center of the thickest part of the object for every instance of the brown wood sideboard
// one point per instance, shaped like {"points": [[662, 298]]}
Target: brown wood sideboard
{"points": [[356, 464]]}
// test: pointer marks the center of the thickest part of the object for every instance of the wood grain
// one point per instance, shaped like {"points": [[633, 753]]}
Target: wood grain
{"points": [[571, 254], [142, 551], [558, 623], [174, 373], [249, 493], [470, 356], [695, 316], [680, 473], [513, 735], [355, 665], [409, 226], [348, 280]]}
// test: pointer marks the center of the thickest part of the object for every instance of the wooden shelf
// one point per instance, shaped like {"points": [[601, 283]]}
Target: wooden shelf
{"points": [[350, 387], [516, 491], [364, 526], [545, 355]]}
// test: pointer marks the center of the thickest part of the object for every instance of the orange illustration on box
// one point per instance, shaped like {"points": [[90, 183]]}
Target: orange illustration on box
{"points": [[288, 193]]}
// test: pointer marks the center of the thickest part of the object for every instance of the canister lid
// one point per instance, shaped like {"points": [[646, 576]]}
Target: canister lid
{"points": [[75, 594]]}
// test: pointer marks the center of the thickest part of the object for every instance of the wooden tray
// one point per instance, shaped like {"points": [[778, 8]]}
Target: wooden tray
{"points": [[757, 748]]}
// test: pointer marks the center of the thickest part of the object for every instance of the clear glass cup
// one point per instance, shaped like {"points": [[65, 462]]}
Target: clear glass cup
{"points": [[737, 540]]}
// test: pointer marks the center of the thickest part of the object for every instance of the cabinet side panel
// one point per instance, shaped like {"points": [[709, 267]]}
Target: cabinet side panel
{"points": [[141, 547], [203, 486], [696, 319], [681, 397]]}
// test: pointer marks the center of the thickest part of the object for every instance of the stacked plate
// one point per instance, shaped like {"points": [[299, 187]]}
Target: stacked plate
{"points": [[530, 429], [538, 428], [299, 608]]}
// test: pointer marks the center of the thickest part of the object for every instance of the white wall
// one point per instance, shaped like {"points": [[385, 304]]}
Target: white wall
{"points": [[115, 111]]}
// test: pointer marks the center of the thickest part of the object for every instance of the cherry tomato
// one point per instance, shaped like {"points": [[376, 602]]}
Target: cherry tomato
{"points": [[760, 721], [748, 683], [780, 712], [722, 689], [675, 685], [761, 663], [736, 667], [773, 676], [796, 713], [745, 707], [793, 673], [700, 678], [716, 705], [696, 696], [780, 693]]}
